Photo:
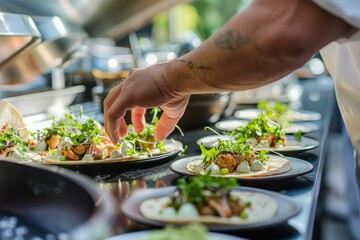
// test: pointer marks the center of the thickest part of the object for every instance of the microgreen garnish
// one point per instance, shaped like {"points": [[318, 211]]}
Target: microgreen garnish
{"points": [[258, 127], [11, 137], [209, 155], [297, 135], [275, 107], [196, 189], [145, 141], [78, 130], [183, 150], [263, 155]]}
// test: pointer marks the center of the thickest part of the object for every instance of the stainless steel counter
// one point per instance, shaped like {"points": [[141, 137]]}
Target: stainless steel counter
{"points": [[318, 96]]}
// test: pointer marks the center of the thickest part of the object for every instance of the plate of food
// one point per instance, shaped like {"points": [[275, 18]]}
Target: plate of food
{"points": [[216, 202], [292, 115], [263, 133], [276, 169], [289, 128], [293, 144], [79, 142], [188, 232], [278, 111], [233, 159]]}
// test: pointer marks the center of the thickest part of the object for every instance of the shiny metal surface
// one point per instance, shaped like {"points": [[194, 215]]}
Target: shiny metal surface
{"points": [[111, 18], [59, 40], [17, 32], [59, 202]]}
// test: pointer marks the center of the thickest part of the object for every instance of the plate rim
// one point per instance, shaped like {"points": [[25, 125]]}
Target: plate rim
{"points": [[111, 161], [229, 120], [310, 125], [276, 177], [294, 120], [315, 144], [143, 233], [133, 201]]}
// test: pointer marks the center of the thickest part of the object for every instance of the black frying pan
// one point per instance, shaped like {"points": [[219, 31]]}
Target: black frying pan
{"points": [[55, 201]]}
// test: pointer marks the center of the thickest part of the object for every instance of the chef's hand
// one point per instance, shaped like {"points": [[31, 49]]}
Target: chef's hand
{"points": [[144, 88]]}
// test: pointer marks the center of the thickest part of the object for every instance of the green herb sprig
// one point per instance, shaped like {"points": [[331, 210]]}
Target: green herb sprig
{"points": [[11, 137], [195, 189]]}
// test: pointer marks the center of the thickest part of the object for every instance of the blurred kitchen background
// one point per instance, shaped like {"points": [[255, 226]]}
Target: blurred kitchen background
{"points": [[58, 53], [84, 49]]}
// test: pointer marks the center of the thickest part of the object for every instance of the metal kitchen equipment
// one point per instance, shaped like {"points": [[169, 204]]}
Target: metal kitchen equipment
{"points": [[17, 34], [99, 18], [60, 40], [55, 201], [105, 18]]}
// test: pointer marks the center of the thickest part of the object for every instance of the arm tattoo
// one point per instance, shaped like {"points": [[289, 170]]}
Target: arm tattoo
{"points": [[233, 40], [192, 65]]}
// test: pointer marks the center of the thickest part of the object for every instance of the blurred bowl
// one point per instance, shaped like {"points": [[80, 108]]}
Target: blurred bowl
{"points": [[54, 201], [109, 80], [51, 101], [204, 109]]}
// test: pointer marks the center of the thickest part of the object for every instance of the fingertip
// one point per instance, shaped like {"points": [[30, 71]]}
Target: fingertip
{"points": [[123, 128], [114, 139], [138, 119], [165, 126], [159, 135], [162, 130]]}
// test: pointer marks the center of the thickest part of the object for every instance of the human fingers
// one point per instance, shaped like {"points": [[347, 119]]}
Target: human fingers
{"points": [[165, 126], [138, 119], [123, 129], [173, 111], [116, 124], [108, 101], [113, 95]]}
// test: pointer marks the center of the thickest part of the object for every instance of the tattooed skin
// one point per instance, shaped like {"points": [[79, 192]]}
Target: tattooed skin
{"points": [[233, 40], [192, 65]]}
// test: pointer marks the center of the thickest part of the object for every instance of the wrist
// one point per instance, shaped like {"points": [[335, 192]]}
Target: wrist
{"points": [[178, 79]]}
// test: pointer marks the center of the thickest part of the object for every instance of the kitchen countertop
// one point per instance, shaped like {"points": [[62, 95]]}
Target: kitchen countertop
{"points": [[318, 96]]}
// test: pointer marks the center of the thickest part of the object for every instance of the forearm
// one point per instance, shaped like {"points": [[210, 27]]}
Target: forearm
{"points": [[256, 47]]}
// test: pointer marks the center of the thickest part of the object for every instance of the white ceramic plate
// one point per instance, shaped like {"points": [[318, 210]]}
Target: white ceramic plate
{"points": [[131, 209], [293, 116], [305, 127], [298, 167], [144, 235], [291, 147]]}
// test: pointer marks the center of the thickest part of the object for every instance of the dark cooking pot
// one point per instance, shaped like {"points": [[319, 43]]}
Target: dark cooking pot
{"points": [[203, 110], [54, 201]]}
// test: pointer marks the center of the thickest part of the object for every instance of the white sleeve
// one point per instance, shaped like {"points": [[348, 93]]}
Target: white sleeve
{"points": [[348, 10]]}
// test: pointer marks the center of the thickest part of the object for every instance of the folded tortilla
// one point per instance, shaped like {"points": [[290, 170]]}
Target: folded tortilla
{"points": [[11, 117], [275, 165], [263, 208]]}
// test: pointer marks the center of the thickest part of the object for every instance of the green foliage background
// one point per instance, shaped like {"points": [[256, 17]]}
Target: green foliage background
{"points": [[203, 17], [213, 14]]}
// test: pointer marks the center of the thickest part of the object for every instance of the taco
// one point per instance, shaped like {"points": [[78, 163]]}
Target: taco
{"points": [[80, 138], [10, 117], [234, 159], [14, 137], [261, 132], [275, 165], [73, 138], [209, 200]]}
